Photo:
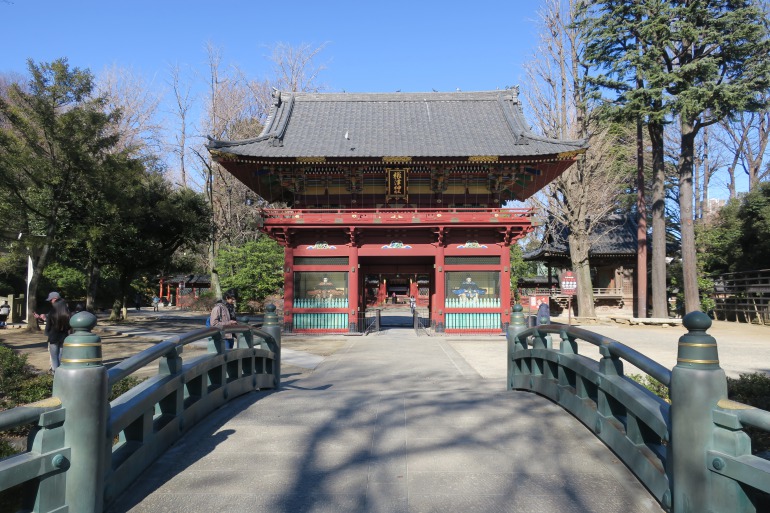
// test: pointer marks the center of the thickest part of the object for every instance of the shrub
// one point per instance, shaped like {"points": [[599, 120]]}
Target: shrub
{"points": [[754, 390], [751, 389], [123, 386], [6, 449], [653, 385]]}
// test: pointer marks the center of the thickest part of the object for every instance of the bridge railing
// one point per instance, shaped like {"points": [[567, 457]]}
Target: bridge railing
{"points": [[84, 451], [692, 454]]}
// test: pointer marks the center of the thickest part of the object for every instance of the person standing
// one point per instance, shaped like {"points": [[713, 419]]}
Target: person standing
{"points": [[231, 305], [220, 316], [543, 313], [57, 327], [5, 311], [155, 303]]}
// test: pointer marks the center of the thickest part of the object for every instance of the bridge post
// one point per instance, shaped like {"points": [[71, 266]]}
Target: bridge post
{"points": [[81, 382], [516, 326], [697, 384], [272, 327]]}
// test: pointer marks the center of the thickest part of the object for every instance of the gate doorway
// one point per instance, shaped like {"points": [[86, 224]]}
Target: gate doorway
{"points": [[389, 285]]}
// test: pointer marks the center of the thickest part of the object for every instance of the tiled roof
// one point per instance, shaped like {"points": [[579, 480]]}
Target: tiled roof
{"points": [[345, 125], [616, 236], [192, 280]]}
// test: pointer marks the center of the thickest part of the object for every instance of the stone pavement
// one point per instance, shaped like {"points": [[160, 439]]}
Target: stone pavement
{"points": [[391, 422]]}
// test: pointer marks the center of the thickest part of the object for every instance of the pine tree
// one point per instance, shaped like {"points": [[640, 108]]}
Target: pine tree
{"points": [[699, 62]]}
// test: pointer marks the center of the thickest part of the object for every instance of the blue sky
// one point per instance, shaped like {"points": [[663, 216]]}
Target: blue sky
{"points": [[374, 46]]}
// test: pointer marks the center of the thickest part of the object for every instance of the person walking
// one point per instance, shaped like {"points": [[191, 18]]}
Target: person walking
{"points": [[220, 316], [5, 311], [57, 327], [155, 303]]}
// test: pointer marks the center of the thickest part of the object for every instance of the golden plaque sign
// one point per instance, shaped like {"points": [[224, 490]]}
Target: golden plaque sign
{"points": [[397, 185]]}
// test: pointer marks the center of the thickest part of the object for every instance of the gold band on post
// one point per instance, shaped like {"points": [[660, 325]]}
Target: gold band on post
{"points": [[683, 360]]}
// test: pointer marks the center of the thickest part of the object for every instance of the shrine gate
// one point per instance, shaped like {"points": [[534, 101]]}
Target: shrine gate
{"points": [[396, 195]]}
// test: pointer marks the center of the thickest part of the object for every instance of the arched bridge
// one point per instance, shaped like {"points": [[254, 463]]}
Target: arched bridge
{"points": [[395, 424]]}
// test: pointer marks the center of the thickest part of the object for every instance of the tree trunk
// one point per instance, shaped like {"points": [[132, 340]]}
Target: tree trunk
{"points": [[689, 259], [32, 324], [705, 177], [578, 249], [658, 278], [39, 263], [215, 285], [641, 231], [94, 274]]}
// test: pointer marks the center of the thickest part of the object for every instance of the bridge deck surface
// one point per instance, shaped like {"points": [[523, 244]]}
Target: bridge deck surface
{"points": [[391, 423]]}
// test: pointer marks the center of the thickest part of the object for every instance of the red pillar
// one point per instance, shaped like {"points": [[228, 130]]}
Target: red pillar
{"points": [[353, 301], [438, 305], [505, 285], [288, 286]]}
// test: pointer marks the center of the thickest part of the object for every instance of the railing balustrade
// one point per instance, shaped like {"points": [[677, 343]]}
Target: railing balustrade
{"points": [[692, 454], [85, 451]]}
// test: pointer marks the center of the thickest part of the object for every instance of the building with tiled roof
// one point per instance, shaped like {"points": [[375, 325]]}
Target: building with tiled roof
{"points": [[612, 257], [399, 194]]}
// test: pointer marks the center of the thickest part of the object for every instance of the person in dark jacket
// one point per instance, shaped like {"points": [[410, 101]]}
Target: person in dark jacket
{"points": [[57, 327], [543, 313], [231, 304]]}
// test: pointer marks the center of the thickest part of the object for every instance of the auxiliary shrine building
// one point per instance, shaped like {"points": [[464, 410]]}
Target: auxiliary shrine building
{"points": [[392, 195]]}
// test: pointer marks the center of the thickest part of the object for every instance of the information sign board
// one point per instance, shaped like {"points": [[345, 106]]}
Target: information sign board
{"points": [[568, 283]]}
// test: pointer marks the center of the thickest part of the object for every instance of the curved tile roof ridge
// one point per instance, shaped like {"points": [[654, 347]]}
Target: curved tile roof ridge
{"points": [[472, 108]]}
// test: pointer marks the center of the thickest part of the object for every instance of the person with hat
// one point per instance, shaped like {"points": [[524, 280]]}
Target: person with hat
{"points": [[57, 327]]}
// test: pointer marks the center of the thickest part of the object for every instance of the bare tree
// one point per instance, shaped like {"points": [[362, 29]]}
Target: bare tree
{"points": [[583, 196], [139, 128], [747, 138], [184, 101], [295, 67]]}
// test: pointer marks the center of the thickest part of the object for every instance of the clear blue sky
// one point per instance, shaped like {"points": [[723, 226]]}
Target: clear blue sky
{"points": [[373, 46]]}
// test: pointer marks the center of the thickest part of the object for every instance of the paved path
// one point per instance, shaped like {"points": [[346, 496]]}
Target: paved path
{"points": [[389, 423]]}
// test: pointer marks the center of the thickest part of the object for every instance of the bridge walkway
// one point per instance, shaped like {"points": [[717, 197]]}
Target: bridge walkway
{"points": [[390, 423]]}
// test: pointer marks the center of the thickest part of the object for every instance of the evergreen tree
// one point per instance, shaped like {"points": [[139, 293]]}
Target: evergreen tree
{"points": [[621, 48], [54, 137], [700, 61]]}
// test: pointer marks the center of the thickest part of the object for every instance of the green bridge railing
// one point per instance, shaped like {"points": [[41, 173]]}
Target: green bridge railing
{"points": [[84, 450], [693, 454]]}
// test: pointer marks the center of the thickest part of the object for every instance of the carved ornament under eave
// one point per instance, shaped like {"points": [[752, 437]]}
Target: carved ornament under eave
{"points": [[499, 183], [355, 181], [294, 183], [220, 156], [568, 155], [396, 160], [311, 160], [438, 181]]}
